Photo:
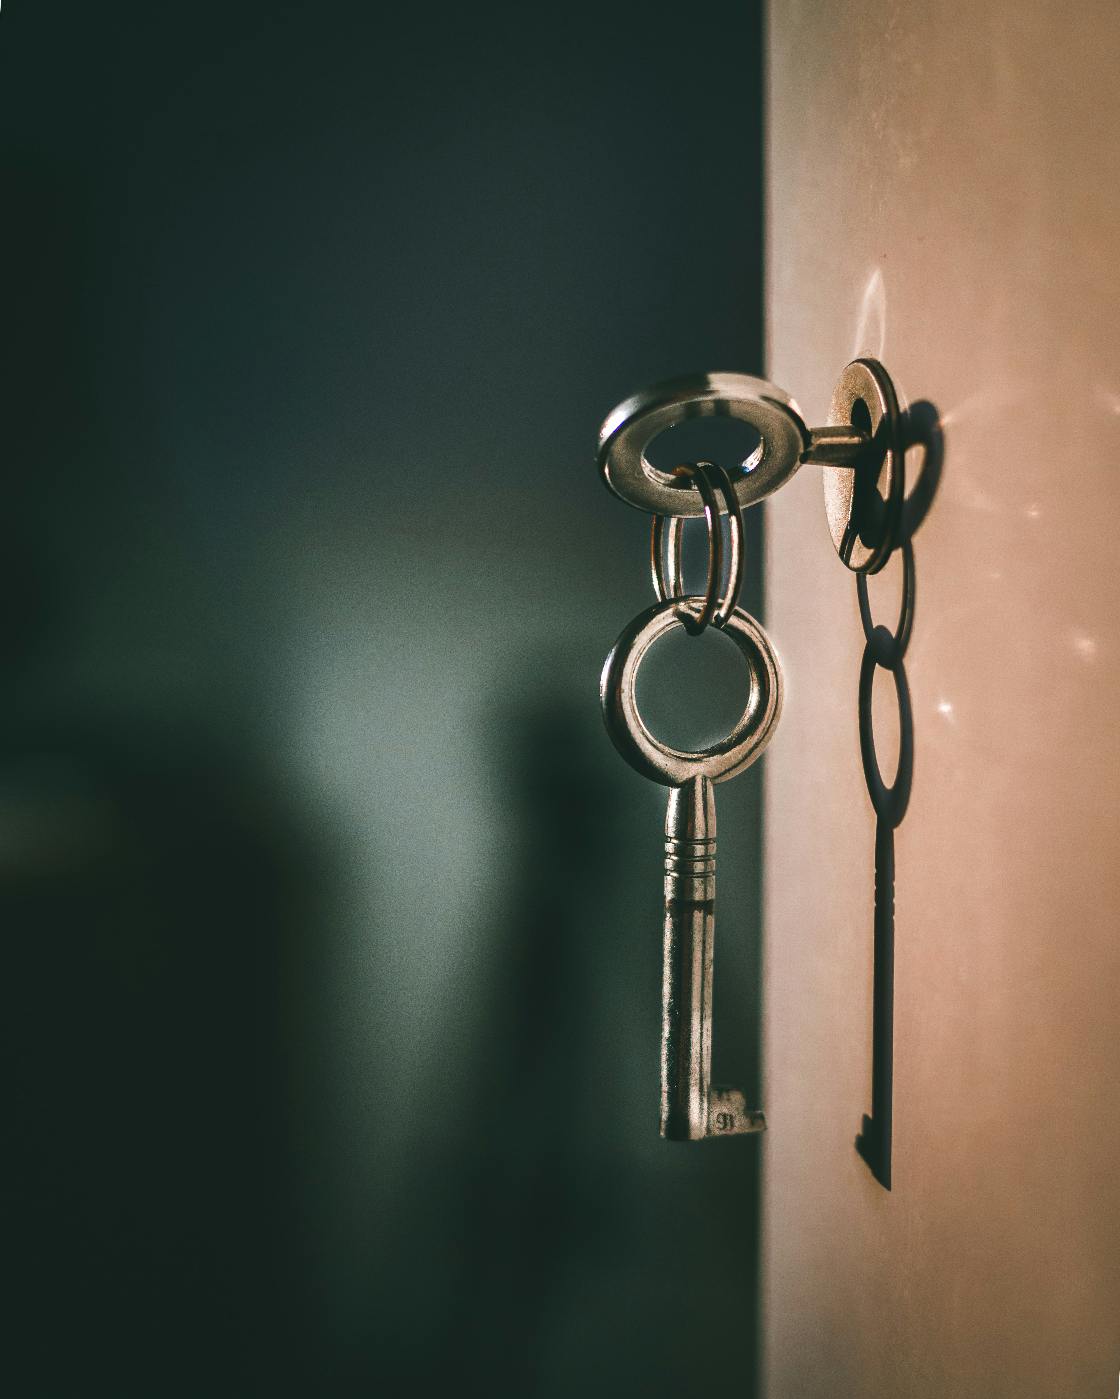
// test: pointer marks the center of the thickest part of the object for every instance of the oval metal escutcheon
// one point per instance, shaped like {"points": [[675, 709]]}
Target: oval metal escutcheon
{"points": [[660, 762], [864, 503]]}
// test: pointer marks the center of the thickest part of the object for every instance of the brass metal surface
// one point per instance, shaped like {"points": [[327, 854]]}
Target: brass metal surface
{"points": [[864, 505]]}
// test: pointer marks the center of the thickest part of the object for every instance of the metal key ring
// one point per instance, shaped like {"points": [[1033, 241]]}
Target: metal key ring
{"points": [[672, 767], [630, 428], [667, 580]]}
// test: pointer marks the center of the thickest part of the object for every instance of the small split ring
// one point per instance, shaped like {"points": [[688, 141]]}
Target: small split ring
{"points": [[668, 583]]}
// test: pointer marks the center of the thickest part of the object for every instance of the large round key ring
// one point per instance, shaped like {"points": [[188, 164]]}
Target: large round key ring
{"points": [[628, 431], [864, 506], [673, 767]]}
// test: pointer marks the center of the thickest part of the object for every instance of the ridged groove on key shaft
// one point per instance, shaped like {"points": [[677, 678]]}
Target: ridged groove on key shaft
{"points": [[690, 843], [690, 1107]]}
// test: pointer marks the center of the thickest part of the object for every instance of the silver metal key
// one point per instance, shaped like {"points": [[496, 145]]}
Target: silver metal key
{"points": [[691, 1108]]}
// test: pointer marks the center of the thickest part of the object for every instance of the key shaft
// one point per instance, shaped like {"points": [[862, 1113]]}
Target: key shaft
{"points": [[691, 1108]]}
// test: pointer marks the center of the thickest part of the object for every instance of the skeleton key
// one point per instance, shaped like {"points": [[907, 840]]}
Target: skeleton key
{"points": [[690, 1107]]}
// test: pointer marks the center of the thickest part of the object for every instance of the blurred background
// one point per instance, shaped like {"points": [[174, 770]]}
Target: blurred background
{"points": [[331, 917]]}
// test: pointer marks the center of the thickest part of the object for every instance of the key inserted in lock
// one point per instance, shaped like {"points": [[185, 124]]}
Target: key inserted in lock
{"points": [[860, 449], [861, 453]]}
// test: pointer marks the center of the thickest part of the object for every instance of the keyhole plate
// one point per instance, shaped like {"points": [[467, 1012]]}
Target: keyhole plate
{"points": [[864, 503]]}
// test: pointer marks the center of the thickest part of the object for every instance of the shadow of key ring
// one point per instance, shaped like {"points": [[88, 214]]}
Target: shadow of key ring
{"points": [[673, 767]]}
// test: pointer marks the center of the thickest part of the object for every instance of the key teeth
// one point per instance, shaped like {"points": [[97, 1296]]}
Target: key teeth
{"points": [[729, 1116]]}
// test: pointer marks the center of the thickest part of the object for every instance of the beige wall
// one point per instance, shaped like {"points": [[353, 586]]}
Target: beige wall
{"points": [[944, 191]]}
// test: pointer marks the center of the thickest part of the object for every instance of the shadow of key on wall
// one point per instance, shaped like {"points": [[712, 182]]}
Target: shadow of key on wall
{"points": [[886, 650]]}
